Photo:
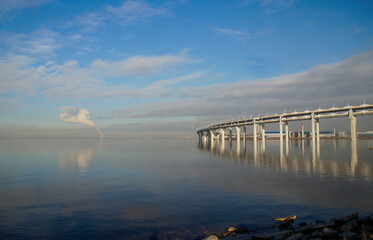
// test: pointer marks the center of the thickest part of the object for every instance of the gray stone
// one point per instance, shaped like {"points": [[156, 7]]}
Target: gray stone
{"points": [[329, 230], [346, 218], [321, 225], [301, 229], [350, 226], [347, 235], [296, 236], [271, 234]]}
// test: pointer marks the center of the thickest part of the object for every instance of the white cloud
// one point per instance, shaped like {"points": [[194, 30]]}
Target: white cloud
{"points": [[140, 65], [349, 80], [133, 11], [41, 42], [129, 12], [7, 6], [235, 34], [339, 83], [242, 35], [21, 77]]}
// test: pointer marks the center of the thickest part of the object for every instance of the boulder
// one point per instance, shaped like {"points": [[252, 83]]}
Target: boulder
{"points": [[347, 235]]}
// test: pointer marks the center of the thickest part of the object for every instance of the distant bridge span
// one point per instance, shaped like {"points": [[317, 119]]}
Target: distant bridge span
{"points": [[213, 131]]}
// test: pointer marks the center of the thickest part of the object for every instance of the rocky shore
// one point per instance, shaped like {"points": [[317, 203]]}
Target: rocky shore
{"points": [[351, 227]]}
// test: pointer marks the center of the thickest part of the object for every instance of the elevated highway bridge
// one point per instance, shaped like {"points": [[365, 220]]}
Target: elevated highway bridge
{"points": [[217, 131]]}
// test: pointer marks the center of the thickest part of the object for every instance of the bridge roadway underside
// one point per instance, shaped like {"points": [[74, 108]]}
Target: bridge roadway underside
{"points": [[217, 131]]}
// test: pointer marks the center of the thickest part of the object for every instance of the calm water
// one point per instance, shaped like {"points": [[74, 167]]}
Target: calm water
{"points": [[174, 189]]}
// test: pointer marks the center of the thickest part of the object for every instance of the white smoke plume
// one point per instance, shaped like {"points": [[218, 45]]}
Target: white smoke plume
{"points": [[79, 116]]}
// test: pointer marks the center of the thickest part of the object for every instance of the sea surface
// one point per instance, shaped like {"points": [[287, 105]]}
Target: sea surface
{"points": [[174, 188]]}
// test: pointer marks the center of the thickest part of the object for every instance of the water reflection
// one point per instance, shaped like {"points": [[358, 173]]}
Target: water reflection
{"points": [[332, 157], [78, 158]]}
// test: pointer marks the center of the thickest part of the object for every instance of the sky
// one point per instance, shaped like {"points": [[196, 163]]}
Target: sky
{"points": [[164, 68]]}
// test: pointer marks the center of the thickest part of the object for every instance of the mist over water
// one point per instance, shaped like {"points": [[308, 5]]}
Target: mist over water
{"points": [[166, 189]]}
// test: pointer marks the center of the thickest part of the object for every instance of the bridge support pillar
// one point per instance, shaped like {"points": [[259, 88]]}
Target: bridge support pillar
{"points": [[302, 130], [244, 134], [281, 131], [263, 138], [254, 132], [230, 133], [238, 133], [352, 124], [211, 136], [204, 137], [263, 133], [286, 131], [221, 134], [317, 129], [313, 126]]}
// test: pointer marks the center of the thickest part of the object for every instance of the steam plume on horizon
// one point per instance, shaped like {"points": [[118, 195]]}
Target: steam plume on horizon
{"points": [[79, 116]]}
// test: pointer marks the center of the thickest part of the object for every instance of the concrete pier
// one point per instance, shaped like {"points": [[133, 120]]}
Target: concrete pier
{"points": [[238, 133], [254, 132], [317, 122], [281, 131], [352, 124], [287, 131], [244, 134], [313, 126]]}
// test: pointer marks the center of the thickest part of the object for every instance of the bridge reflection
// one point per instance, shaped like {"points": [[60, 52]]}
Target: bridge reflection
{"points": [[332, 157]]}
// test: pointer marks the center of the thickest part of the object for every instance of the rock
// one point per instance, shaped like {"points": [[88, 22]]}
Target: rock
{"points": [[242, 230], [347, 235], [367, 228], [212, 237], [271, 235], [350, 226], [346, 218], [329, 230], [231, 229], [296, 236], [320, 226], [302, 229], [286, 219], [261, 238]]}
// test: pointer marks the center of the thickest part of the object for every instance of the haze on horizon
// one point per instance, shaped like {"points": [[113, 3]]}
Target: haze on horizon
{"points": [[139, 68]]}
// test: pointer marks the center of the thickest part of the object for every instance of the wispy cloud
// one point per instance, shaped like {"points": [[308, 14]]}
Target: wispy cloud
{"points": [[242, 35], [133, 11], [7, 6], [338, 83], [129, 12], [278, 2], [40, 42], [235, 34], [271, 6], [140, 65], [69, 80]]}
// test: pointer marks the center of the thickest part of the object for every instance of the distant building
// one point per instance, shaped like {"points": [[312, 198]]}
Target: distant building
{"points": [[344, 134], [274, 134], [365, 134]]}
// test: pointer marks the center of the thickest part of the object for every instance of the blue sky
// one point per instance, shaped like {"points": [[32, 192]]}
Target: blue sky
{"points": [[163, 68]]}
